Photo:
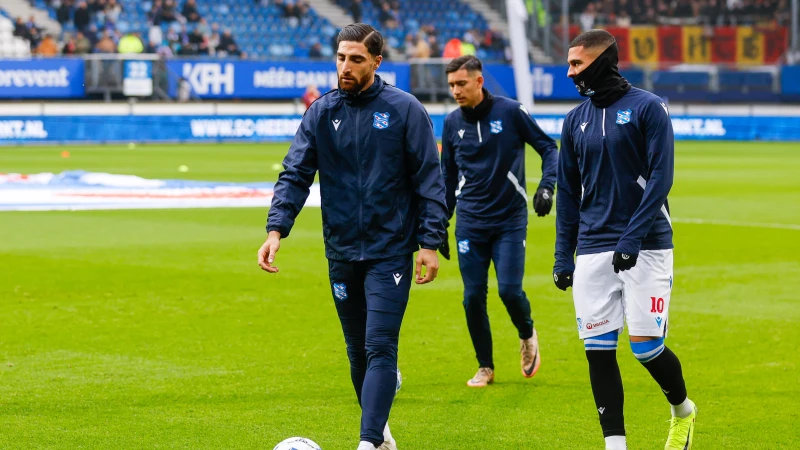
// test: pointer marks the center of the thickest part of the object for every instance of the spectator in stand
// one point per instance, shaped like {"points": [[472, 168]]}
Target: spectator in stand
{"points": [[227, 45], [315, 52], [105, 44], [356, 11], [386, 17], [131, 44], [213, 43], [82, 17], [168, 13], [63, 12], [311, 95], [588, 17], [69, 45], [190, 11], [623, 19], [198, 42], [112, 11], [433, 43], [154, 15], [205, 30], [21, 29], [422, 50], [92, 35], [82, 44], [99, 11], [32, 25], [47, 47], [34, 37]]}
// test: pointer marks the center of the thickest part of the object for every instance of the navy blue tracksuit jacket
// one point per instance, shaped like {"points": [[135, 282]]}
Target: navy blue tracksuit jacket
{"points": [[379, 175], [615, 170], [382, 199], [484, 165]]}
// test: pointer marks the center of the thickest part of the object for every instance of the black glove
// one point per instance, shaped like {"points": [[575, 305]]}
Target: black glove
{"points": [[445, 248], [563, 280], [623, 261], [543, 201]]}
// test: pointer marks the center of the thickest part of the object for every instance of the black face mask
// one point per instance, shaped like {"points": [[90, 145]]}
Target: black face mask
{"points": [[601, 81], [480, 111]]}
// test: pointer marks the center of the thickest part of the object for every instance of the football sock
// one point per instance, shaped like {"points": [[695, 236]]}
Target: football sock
{"points": [[606, 384], [665, 368], [616, 443], [683, 410]]}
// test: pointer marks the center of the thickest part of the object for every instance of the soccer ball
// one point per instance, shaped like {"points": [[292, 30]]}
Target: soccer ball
{"points": [[399, 382], [297, 443]]}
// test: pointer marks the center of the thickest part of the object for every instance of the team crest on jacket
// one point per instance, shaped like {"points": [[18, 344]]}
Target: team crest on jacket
{"points": [[340, 291], [496, 126], [381, 121], [624, 117]]}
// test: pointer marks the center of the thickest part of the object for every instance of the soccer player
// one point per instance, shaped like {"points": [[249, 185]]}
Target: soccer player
{"points": [[382, 199], [483, 161], [615, 170]]}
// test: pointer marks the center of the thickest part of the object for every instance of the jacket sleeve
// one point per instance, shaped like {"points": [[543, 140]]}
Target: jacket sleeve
{"points": [[449, 171], [422, 155], [294, 183], [568, 202], [542, 143], [660, 145]]}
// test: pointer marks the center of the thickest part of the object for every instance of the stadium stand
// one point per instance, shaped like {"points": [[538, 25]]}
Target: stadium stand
{"points": [[276, 28]]}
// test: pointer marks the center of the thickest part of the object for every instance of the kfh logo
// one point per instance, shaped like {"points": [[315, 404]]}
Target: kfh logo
{"points": [[205, 78]]}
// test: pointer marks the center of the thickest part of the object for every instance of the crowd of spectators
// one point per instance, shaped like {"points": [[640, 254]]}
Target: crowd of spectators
{"points": [[625, 13]]}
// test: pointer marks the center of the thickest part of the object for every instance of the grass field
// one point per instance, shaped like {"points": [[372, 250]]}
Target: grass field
{"points": [[156, 329]]}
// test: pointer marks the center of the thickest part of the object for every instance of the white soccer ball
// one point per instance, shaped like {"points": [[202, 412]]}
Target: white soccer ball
{"points": [[297, 443]]}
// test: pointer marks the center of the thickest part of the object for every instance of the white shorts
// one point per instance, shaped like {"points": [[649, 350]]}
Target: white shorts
{"points": [[604, 300]]}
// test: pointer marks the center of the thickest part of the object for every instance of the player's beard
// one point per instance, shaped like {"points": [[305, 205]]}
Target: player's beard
{"points": [[354, 85]]}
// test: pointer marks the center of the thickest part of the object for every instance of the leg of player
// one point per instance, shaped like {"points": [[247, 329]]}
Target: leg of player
{"points": [[597, 294], [347, 285], [387, 284], [474, 257], [647, 294], [508, 254]]}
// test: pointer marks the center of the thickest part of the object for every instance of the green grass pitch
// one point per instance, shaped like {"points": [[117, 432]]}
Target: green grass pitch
{"points": [[156, 329]]}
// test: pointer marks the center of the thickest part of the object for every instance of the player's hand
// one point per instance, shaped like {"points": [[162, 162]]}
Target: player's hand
{"points": [[430, 261], [623, 261], [543, 201], [266, 254], [445, 248], [563, 280]]}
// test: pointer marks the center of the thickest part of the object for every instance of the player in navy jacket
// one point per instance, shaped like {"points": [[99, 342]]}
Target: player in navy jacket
{"points": [[483, 161], [382, 199], [615, 170]]}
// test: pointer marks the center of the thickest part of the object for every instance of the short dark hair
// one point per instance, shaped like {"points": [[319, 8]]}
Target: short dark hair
{"points": [[469, 62], [363, 34], [593, 39]]}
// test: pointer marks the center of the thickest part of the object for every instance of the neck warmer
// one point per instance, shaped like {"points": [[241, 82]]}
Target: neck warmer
{"points": [[480, 111], [601, 81]]}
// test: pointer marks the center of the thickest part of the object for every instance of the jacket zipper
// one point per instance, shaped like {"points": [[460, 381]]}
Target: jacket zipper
{"points": [[360, 193], [480, 138], [604, 122]]}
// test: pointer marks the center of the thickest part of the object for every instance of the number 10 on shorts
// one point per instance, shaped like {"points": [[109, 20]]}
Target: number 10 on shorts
{"points": [[657, 305]]}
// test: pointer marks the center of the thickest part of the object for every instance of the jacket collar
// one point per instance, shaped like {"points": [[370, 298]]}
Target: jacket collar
{"points": [[364, 96]]}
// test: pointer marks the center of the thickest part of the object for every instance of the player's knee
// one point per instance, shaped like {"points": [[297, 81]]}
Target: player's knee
{"points": [[510, 292], [607, 341], [474, 297], [648, 350]]}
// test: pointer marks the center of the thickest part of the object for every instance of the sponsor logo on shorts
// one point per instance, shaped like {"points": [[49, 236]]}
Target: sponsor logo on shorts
{"points": [[580, 322], [589, 326], [658, 321]]}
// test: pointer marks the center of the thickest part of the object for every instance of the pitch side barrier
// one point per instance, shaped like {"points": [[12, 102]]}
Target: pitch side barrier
{"points": [[152, 128]]}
